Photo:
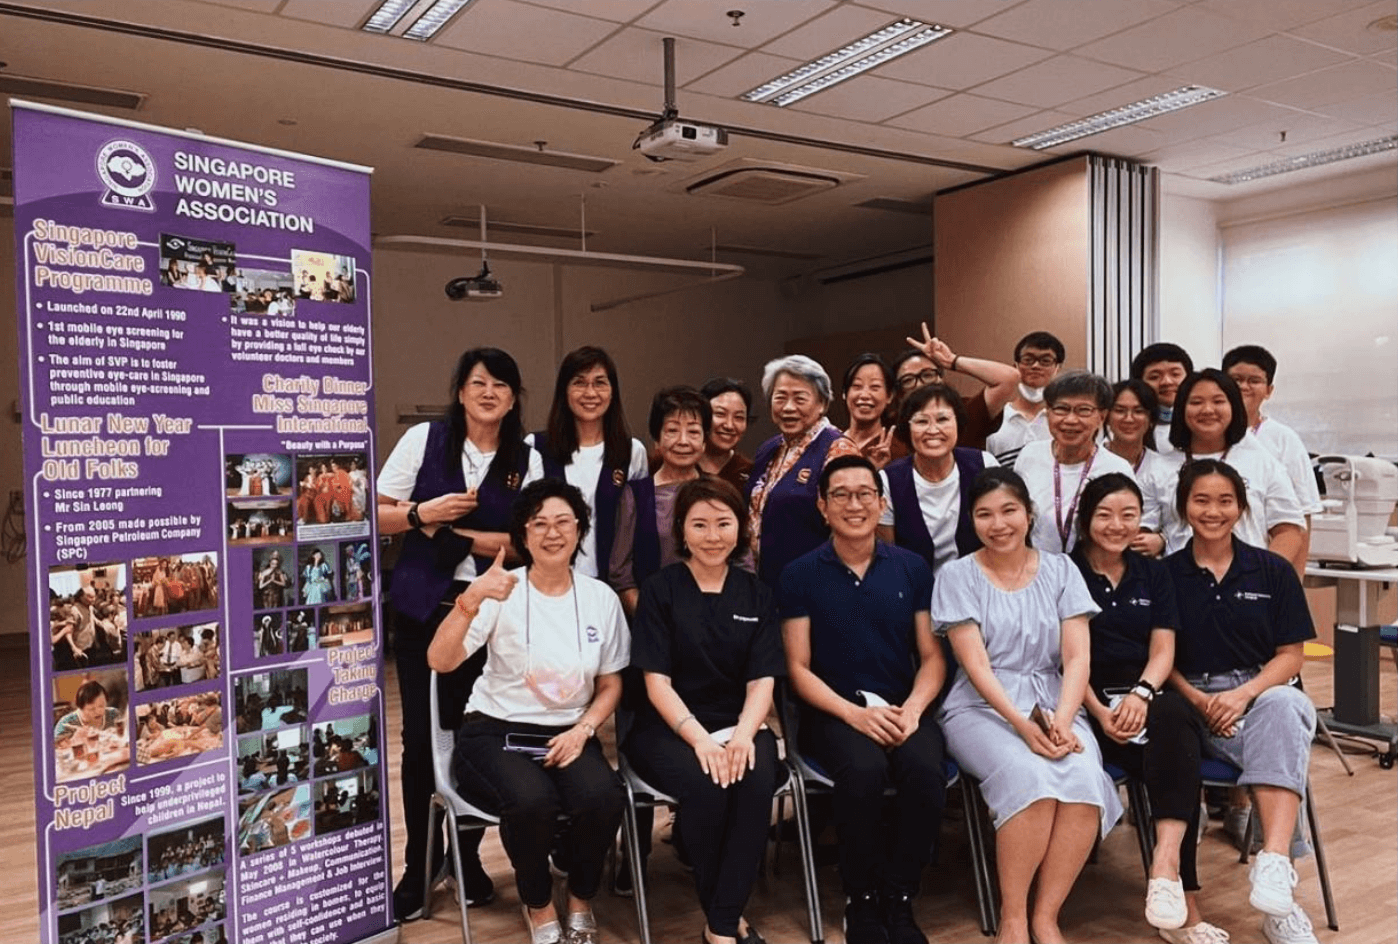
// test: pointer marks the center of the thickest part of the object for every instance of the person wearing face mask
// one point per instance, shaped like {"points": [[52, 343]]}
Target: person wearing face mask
{"points": [[730, 402], [588, 444], [526, 751], [1058, 469], [1163, 366], [868, 391], [1039, 356], [928, 359]]}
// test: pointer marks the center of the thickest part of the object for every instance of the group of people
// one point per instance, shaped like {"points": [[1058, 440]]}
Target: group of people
{"points": [[188, 913], [128, 930], [1106, 597], [333, 490], [166, 657], [88, 627], [254, 476], [181, 855], [327, 288], [173, 584]]}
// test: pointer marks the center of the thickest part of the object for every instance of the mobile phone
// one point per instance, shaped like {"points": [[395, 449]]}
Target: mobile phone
{"points": [[533, 745], [1042, 719], [1114, 697]]}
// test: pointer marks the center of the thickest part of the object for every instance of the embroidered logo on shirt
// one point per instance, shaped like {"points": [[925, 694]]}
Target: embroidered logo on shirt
{"points": [[593, 635], [803, 476], [746, 619], [1139, 601], [1251, 595]]}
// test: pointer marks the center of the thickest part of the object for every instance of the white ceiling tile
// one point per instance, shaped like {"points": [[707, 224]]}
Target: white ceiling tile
{"points": [[1127, 141], [1349, 31], [946, 12], [518, 31], [829, 32], [1217, 116], [618, 11], [1266, 60], [1182, 36], [347, 13], [961, 60], [1180, 157], [742, 75], [1340, 83], [1279, 14], [1368, 110], [707, 20], [869, 98], [1063, 24], [1060, 79], [1300, 127], [1389, 58], [1357, 136], [1242, 162], [257, 6], [635, 54], [1037, 121], [961, 115]]}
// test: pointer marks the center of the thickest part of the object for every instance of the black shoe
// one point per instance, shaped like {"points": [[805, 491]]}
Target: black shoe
{"points": [[752, 937], [478, 889], [407, 899], [898, 923], [863, 923], [622, 885]]}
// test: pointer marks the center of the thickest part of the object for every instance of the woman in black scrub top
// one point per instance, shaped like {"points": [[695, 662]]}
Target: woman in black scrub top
{"points": [[707, 638], [1133, 649]]}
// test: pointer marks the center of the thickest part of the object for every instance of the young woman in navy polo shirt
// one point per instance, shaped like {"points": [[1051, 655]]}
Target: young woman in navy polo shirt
{"points": [[1243, 622], [1133, 648]]}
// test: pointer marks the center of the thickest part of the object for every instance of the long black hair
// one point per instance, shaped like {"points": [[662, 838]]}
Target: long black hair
{"points": [[1148, 400], [1181, 436], [563, 431], [501, 366], [1096, 491]]}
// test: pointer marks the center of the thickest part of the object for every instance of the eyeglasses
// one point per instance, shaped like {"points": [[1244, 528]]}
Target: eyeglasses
{"points": [[861, 496], [920, 379], [1082, 411], [1042, 360], [582, 383], [539, 527], [1245, 381], [927, 422], [1134, 412]]}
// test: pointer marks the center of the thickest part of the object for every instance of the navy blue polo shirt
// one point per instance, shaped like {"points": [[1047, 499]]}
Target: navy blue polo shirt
{"points": [[862, 635], [1240, 621], [1144, 600]]}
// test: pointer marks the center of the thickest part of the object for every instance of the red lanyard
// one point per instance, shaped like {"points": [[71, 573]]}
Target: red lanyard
{"points": [[1065, 525]]}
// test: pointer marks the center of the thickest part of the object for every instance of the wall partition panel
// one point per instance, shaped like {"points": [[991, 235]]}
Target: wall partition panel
{"points": [[1124, 201]]}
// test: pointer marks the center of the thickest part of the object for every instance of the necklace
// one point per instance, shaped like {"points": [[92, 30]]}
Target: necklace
{"points": [[1065, 524], [552, 687]]}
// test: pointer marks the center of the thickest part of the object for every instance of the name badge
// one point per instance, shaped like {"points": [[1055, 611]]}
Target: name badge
{"points": [[803, 476], [1251, 595], [745, 619]]}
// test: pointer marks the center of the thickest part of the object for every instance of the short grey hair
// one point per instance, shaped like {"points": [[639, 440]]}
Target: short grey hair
{"points": [[802, 368], [1080, 383]]}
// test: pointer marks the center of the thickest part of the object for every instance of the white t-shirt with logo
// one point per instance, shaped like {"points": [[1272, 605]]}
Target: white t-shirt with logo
{"points": [[589, 616], [1271, 499], [940, 503], [1035, 465]]}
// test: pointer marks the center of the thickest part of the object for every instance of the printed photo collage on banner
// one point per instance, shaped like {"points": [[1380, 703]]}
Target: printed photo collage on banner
{"points": [[198, 429]]}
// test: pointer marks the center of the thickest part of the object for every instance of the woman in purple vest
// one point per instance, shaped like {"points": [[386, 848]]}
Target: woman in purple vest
{"points": [[448, 487], [782, 516], [929, 509], [587, 444]]}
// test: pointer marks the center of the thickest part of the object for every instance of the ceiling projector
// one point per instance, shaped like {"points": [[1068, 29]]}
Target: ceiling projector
{"points": [[480, 286], [670, 139]]}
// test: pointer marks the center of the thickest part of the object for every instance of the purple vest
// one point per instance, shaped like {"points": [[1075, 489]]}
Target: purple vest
{"points": [[909, 528], [610, 482], [427, 566], [645, 544], [791, 522]]}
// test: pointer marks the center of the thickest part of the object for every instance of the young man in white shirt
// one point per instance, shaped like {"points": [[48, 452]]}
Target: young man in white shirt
{"points": [[1163, 366], [1039, 356]]}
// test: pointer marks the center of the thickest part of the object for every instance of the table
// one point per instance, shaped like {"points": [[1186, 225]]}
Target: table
{"points": [[90, 752], [1356, 666]]}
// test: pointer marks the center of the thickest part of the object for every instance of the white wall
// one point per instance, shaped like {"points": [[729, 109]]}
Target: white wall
{"points": [[1189, 277]]}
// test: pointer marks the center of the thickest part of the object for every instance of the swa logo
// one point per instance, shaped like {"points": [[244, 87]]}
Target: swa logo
{"points": [[128, 172]]}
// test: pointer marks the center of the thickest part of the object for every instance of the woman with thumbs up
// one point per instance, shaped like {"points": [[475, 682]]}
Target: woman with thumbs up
{"points": [[556, 642]]}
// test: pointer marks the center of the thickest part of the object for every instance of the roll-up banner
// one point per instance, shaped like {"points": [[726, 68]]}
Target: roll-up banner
{"points": [[197, 394]]}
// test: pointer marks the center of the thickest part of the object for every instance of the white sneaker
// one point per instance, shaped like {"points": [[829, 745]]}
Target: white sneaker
{"points": [[1165, 907], [1272, 879], [1201, 933], [1295, 928]]}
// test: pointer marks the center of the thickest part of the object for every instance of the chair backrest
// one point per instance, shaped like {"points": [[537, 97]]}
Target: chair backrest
{"points": [[443, 747]]}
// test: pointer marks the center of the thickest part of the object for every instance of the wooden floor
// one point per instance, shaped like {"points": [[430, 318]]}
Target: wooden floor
{"points": [[1359, 822]]}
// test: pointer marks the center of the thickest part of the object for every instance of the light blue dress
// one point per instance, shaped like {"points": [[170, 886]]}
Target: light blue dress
{"points": [[1022, 635]]}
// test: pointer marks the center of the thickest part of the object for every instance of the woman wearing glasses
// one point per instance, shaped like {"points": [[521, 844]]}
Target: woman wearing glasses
{"points": [[926, 362], [1131, 435], [588, 445], [556, 642], [1056, 470]]}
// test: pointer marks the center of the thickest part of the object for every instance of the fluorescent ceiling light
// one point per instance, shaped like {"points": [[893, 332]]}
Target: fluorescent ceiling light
{"points": [[434, 19], [387, 15], [863, 54], [1314, 159], [1116, 117]]}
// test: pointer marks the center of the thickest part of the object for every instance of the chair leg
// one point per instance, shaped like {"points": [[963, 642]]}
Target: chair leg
{"points": [[1331, 917], [631, 831], [432, 825], [801, 812], [1248, 832], [454, 838], [1145, 833], [777, 842], [986, 891]]}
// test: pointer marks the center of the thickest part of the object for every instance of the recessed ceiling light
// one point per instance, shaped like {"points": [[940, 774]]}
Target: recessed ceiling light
{"points": [[1116, 117], [863, 54], [387, 15], [427, 25], [1314, 159]]}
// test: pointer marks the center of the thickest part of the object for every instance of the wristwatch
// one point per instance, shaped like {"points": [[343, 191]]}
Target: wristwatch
{"points": [[1144, 691], [414, 519]]}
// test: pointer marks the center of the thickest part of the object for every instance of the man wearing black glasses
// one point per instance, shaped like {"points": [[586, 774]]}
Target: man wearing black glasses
{"points": [[1039, 356]]}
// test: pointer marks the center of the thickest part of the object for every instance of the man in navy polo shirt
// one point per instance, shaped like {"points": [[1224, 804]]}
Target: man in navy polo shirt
{"points": [[863, 661]]}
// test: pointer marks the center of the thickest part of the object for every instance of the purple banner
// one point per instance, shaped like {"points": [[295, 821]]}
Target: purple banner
{"points": [[198, 431]]}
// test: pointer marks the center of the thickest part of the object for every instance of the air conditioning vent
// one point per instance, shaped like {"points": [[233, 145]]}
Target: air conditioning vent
{"points": [[892, 205], [27, 87], [510, 152], [769, 186]]}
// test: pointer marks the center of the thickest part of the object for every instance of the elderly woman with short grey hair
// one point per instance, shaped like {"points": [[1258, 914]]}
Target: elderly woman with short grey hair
{"points": [[1057, 469], [781, 492]]}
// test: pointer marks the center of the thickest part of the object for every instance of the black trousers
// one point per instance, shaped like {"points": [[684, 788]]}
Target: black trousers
{"points": [[1168, 763], [723, 830], [411, 639], [529, 797], [871, 856]]}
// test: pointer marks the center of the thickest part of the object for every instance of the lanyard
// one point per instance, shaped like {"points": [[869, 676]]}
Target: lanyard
{"points": [[1065, 524]]}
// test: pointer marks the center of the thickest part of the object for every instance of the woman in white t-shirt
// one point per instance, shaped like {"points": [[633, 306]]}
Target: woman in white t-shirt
{"points": [[1210, 422], [1131, 429], [556, 643], [587, 442]]}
